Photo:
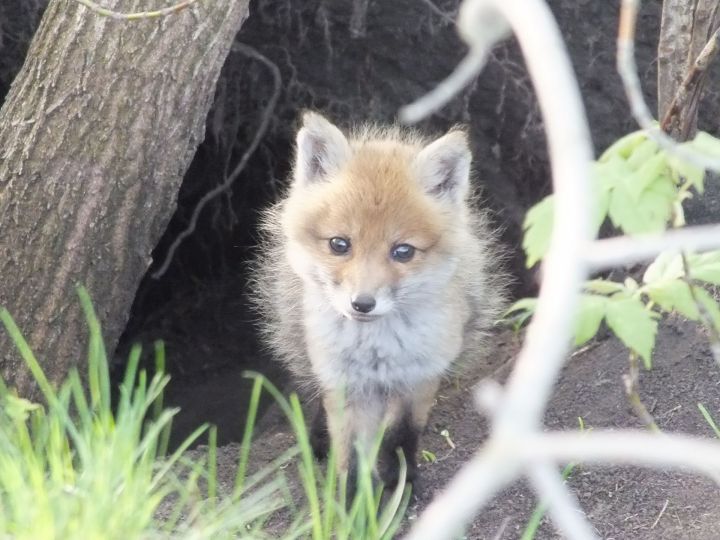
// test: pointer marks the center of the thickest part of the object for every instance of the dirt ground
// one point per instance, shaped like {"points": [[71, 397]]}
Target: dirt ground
{"points": [[621, 503]]}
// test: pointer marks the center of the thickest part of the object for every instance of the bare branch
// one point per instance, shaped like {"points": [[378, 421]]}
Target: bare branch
{"points": [[625, 250], [517, 442], [562, 506], [627, 447], [227, 184], [688, 92], [473, 487], [92, 6], [521, 407], [481, 27], [627, 68], [714, 335], [632, 388]]}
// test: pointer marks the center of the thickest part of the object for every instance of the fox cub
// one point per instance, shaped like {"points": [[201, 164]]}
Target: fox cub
{"points": [[375, 276]]}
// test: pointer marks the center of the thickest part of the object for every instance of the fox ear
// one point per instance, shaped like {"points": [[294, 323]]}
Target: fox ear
{"points": [[443, 167], [322, 150]]}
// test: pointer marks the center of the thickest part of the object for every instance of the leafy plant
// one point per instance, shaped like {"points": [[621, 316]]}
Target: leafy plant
{"points": [[83, 467], [78, 468], [640, 188], [359, 516]]}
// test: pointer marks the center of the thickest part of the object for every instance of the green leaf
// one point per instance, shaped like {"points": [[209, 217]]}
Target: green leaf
{"points": [[540, 218], [710, 305], [655, 169], [624, 146], [667, 265], [538, 228], [600, 187], [19, 409], [632, 324], [519, 313], [648, 213], [709, 419], [642, 153], [705, 267], [609, 172], [524, 304], [682, 169], [590, 314], [602, 286], [674, 295], [705, 143]]}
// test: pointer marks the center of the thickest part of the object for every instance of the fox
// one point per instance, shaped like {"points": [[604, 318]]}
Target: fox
{"points": [[377, 274]]}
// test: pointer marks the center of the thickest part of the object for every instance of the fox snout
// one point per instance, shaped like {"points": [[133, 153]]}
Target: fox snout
{"points": [[362, 306], [363, 303], [363, 293]]}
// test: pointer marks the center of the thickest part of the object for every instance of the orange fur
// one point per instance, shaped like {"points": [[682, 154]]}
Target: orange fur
{"points": [[377, 189]]}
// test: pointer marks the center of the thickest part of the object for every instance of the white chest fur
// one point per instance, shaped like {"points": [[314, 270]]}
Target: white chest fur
{"points": [[392, 353]]}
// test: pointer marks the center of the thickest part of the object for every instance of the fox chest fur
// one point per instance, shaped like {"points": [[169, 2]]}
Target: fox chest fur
{"points": [[391, 355]]}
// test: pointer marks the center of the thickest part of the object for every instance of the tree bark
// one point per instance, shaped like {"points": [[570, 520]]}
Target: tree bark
{"points": [[96, 134], [685, 29]]}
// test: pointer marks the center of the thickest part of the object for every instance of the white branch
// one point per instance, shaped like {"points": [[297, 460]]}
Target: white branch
{"points": [[627, 447], [472, 488], [626, 250], [517, 442], [547, 338], [562, 506]]}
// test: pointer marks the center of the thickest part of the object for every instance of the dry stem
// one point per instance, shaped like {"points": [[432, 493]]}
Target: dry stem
{"points": [[92, 6], [229, 180]]}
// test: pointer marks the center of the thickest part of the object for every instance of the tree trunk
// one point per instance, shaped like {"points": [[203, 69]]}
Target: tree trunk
{"points": [[96, 134], [686, 27]]}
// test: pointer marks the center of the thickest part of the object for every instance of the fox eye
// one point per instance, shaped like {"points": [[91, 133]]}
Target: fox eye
{"points": [[402, 252], [339, 245]]}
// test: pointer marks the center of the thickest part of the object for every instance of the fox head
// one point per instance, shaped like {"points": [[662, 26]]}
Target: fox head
{"points": [[375, 222]]}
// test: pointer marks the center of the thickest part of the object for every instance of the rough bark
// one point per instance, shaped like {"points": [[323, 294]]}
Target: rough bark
{"points": [[686, 27], [96, 134]]}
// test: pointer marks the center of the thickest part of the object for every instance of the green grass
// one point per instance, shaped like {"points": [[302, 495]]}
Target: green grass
{"points": [[80, 466], [709, 419]]}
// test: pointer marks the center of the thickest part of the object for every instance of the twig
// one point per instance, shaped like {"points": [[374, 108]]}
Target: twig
{"points": [[473, 487], [466, 71], [714, 335], [627, 68], [662, 511], [690, 85], [481, 27], [626, 447], [92, 6], [632, 388], [625, 250], [501, 529], [227, 184], [358, 18], [448, 18], [678, 120]]}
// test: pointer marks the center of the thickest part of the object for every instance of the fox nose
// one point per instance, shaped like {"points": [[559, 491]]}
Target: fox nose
{"points": [[363, 303]]}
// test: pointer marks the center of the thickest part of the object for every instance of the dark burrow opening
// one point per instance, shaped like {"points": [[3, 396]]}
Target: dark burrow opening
{"points": [[355, 62]]}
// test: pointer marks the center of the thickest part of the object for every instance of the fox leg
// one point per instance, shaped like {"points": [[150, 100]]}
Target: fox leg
{"points": [[406, 419], [353, 426], [319, 433]]}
